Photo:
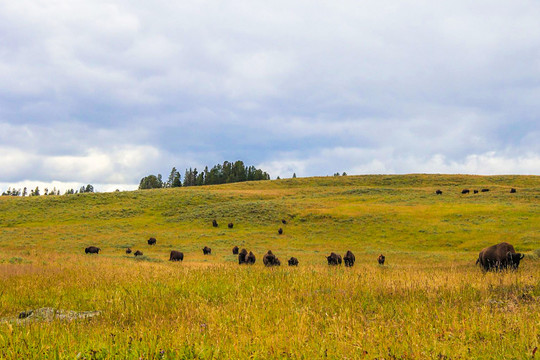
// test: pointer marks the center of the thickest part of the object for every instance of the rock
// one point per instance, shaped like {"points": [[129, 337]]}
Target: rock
{"points": [[48, 314]]}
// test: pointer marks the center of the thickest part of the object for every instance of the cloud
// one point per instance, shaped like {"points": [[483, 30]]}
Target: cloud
{"points": [[114, 165], [275, 83]]}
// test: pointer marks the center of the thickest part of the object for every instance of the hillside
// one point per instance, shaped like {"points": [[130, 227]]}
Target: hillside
{"points": [[367, 213], [428, 301]]}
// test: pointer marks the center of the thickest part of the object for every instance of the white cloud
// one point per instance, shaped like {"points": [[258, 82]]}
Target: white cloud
{"points": [[118, 89]]}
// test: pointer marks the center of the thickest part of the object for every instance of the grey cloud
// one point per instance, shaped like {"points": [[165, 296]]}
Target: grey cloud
{"points": [[270, 82]]}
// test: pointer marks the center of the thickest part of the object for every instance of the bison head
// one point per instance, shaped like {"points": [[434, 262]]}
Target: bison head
{"points": [[514, 259]]}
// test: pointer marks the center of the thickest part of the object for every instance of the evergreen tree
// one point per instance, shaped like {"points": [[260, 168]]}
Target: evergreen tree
{"points": [[25, 191], [174, 179], [294, 175]]}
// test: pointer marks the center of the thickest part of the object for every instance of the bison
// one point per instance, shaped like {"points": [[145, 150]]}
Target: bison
{"points": [[176, 256], [465, 191], [484, 190], [499, 257], [513, 191], [152, 241], [214, 223], [438, 192], [128, 251], [283, 221], [250, 259], [230, 225], [293, 261], [92, 250], [138, 253], [349, 258], [270, 259], [206, 250], [235, 250], [475, 191], [381, 259], [334, 259], [242, 256], [280, 231]]}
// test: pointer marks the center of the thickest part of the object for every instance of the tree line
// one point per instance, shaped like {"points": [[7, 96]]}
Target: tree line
{"points": [[228, 172], [36, 192]]}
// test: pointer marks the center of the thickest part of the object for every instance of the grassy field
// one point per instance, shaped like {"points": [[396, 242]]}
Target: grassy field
{"points": [[428, 301]]}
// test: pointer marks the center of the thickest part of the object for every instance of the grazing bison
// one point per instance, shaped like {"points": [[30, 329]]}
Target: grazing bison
{"points": [[475, 191], [270, 259], [499, 257], [349, 258], [280, 231], [128, 251], [242, 256], [438, 192], [334, 259], [176, 256], [214, 223], [206, 250], [293, 261], [512, 191], [283, 221], [465, 191], [381, 259], [92, 250], [235, 250], [138, 253], [484, 190], [152, 241], [250, 259], [230, 225]]}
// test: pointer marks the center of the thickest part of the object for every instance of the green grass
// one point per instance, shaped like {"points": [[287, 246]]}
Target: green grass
{"points": [[428, 302]]}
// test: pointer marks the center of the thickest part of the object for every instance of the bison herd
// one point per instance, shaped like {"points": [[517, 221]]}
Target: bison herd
{"points": [[497, 257], [468, 191]]}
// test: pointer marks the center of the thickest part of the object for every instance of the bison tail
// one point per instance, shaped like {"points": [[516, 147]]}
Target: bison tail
{"points": [[477, 261]]}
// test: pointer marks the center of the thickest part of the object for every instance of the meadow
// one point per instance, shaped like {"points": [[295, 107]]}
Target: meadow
{"points": [[429, 300]]}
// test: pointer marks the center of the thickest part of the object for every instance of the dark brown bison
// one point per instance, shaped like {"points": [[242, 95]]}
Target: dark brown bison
{"points": [[381, 259], [250, 259], [475, 191], [138, 253], [176, 256], [499, 257], [269, 259], [214, 223], [235, 250], [206, 250], [128, 251], [280, 231], [293, 261], [152, 241], [242, 256], [465, 191], [513, 191], [334, 259], [349, 258], [230, 225], [484, 190], [438, 192], [283, 221], [92, 250]]}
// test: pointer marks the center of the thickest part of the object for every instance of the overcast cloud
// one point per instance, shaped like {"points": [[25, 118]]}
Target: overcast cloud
{"points": [[106, 92]]}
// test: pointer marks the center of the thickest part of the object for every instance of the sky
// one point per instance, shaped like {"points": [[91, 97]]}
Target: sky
{"points": [[107, 92]]}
